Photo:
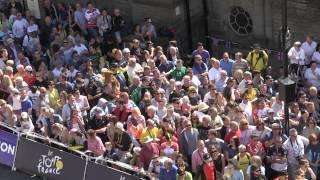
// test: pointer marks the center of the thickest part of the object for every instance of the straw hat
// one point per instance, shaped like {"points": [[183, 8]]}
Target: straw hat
{"points": [[203, 107]]}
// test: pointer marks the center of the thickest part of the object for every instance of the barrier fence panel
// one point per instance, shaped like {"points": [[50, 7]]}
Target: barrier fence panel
{"points": [[36, 158], [100, 172], [8, 143]]}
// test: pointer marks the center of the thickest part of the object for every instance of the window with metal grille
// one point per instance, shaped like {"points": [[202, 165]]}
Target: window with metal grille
{"points": [[240, 21]]}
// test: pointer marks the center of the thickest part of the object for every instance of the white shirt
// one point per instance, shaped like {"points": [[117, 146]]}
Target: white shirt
{"points": [[2, 64], [242, 86], [214, 74], [19, 27], [316, 57], [195, 81], [296, 57], [56, 72], [247, 107], [207, 97], [313, 77], [131, 71], [26, 126], [16, 103], [80, 48], [294, 148], [309, 49]]}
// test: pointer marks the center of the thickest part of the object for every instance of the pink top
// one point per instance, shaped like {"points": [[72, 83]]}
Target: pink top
{"points": [[197, 159], [96, 146]]}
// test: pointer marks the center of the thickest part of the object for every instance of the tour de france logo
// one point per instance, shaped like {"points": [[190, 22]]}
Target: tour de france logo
{"points": [[50, 164]]}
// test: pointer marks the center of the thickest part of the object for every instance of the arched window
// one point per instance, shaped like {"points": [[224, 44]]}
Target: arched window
{"points": [[240, 21]]}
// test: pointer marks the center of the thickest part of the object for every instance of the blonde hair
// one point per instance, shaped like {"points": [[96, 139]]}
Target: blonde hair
{"points": [[256, 160], [238, 72], [57, 127], [243, 122], [136, 111]]}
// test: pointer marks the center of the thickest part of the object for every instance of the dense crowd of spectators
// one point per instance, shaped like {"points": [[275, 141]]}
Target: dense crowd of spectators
{"points": [[68, 77]]}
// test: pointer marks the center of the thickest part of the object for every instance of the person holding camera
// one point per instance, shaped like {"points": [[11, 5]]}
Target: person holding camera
{"points": [[257, 59], [295, 148]]}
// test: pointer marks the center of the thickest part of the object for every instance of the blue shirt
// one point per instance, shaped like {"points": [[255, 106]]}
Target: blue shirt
{"points": [[168, 175], [220, 85], [199, 69], [165, 67], [227, 66], [25, 105], [204, 54]]}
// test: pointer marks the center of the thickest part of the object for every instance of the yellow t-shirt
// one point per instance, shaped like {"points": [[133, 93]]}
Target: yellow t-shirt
{"points": [[257, 61], [252, 94], [243, 162], [153, 133], [54, 99]]}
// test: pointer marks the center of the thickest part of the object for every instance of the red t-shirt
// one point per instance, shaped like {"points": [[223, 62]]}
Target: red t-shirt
{"points": [[146, 154], [123, 115], [29, 79], [230, 134], [209, 170]]}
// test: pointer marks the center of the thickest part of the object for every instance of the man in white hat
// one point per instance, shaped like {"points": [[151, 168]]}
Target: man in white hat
{"points": [[296, 57], [148, 150], [29, 77]]}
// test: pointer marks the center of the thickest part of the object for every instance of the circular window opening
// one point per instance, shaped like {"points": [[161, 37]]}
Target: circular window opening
{"points": [[240, 21]]}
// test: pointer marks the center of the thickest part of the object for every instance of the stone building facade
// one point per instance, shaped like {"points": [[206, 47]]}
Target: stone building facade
{"points": [[241, 21]]}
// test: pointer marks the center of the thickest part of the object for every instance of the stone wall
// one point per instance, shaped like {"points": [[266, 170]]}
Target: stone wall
{"points": [[265, 14], [303, 18]]}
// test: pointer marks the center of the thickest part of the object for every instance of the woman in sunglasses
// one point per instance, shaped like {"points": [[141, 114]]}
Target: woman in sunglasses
{"points": [[218, 160]]}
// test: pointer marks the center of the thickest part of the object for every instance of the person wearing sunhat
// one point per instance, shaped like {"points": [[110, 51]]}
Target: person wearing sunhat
{"points": [[257, 59], [148, 150], [29, 77], [202, 108]]}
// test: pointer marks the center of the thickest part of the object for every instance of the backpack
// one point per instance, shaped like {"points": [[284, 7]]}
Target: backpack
{"points": [[260, 56], [247, 155]]}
